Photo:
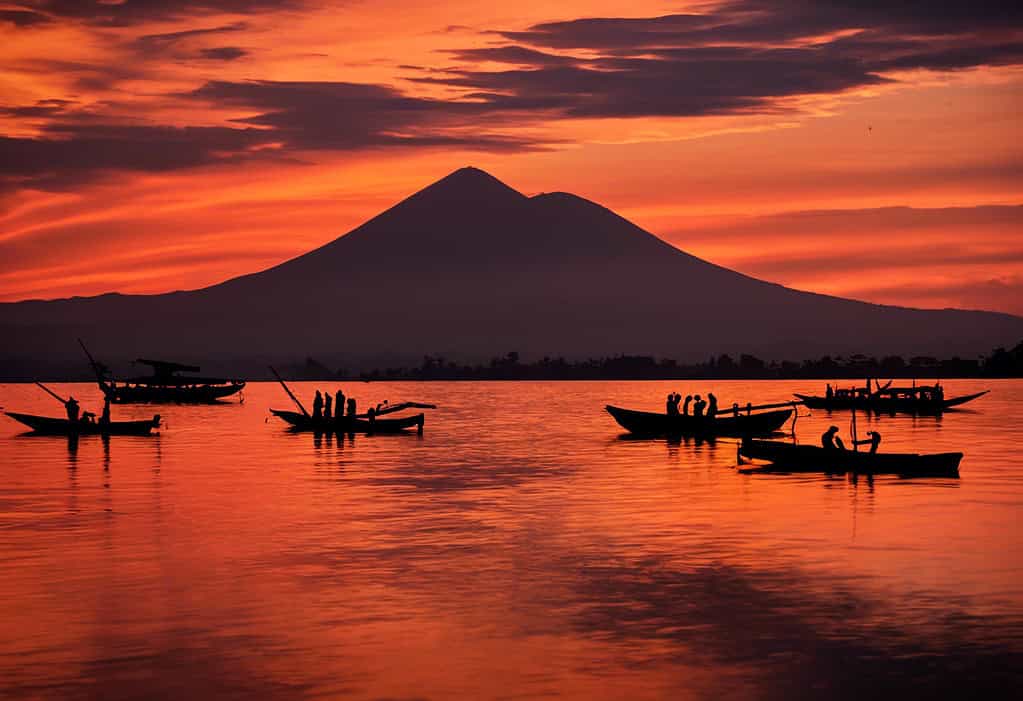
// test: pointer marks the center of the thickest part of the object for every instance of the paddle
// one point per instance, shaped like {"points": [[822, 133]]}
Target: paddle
{"points": [[390, 409], [52, 393], [293, 397], [776, 405]]}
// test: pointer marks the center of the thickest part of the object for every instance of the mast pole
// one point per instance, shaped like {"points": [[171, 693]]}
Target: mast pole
{"points": [[293, 397]]}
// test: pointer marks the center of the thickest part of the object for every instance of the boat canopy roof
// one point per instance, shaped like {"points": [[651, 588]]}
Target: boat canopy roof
{"points": [[166, 367]]}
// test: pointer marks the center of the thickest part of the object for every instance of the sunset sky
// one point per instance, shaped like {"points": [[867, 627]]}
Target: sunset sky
{"points": [[866, 149]]}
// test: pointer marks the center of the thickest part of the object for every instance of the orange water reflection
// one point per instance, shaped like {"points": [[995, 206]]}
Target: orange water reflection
{"points": [[518, 548]]}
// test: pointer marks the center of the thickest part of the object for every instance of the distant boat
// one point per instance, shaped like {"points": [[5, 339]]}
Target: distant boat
{"points": [[64, 427], [813, 458], [647, 423], [302, 422], [164, 385], [923, 399]]}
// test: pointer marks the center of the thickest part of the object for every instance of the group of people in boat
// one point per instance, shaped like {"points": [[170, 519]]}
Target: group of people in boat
{"points": [[327, 407], [75, 415], [832, 441], [701, 407]]}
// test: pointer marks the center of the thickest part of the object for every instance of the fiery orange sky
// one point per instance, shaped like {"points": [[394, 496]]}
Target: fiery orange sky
{"points": [[852, 148]]}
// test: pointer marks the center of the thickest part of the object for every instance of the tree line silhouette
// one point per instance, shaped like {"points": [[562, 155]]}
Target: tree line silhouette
{"points": [[999, 363]]}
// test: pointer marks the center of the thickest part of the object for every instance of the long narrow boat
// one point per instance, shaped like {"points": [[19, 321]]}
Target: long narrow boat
{"points": [[648, 423], [63, 427], [903, 400], [813, 458], [303, 422]]}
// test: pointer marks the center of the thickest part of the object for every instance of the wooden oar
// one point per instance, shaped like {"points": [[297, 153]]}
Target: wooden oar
{"points": [[293, 397], [777, 405], [52, 393], [390, 409]]}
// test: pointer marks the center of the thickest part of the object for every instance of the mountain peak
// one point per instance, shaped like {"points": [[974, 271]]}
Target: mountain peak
{"points": [[470, 183]]}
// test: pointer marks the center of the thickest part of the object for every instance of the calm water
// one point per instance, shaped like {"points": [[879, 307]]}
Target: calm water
{"points": [[518, 549]]}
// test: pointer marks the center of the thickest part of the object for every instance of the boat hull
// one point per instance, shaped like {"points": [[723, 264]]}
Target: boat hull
{"points": [[170, 394], [884, 405], [62, 427], [301, 422], [812, 458], [646, 423]]}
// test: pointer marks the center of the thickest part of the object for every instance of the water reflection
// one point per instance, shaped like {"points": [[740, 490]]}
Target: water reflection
{"points": [[517, 548]]}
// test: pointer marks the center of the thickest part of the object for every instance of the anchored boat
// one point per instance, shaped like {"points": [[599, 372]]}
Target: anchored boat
{"points": [[165, 385], [918, 399]]}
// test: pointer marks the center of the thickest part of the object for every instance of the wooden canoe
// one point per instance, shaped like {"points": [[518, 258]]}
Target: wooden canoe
{"points": [[647, 423], [63, 427], [814, 458], [301, 422]]}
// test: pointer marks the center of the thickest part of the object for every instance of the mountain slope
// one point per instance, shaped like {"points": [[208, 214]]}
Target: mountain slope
{"points": [[470, 267]]}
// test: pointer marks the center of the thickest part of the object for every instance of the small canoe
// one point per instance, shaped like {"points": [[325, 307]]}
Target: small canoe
{"points": [[813, 458], [301, 422], [63, 427], [886, 403], [648, 423]]}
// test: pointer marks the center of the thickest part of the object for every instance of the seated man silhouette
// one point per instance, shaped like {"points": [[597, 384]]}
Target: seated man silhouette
{"points": [[831, 440]]}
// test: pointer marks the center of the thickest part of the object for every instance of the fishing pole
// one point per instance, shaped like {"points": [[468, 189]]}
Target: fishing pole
{"points": [[52, 393]]}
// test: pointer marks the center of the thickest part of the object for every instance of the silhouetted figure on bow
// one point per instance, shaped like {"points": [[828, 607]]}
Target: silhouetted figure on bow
{"points": [[712, 405], [327, 399], [317, 405], [685, 405], [71, 407], [735, 409], [830, 393], [698, 406], [831, 440]]}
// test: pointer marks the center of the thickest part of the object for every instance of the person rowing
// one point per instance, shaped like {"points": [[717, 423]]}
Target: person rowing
{"points": [[873, 441]]}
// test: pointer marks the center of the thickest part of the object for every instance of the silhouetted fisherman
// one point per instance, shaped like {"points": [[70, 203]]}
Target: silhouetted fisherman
{"points": [[735, 409], [830, 439], [327, 399], [685, 405], [670, 407], [873, 441], [104, 418], [712, 405], [698, 406], [351, 407], [339, 407], [830, 392], [71, 406], [317, 405]]}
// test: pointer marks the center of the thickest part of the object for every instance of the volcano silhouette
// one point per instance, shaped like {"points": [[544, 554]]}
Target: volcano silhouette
{"points": [[470, 267]]}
